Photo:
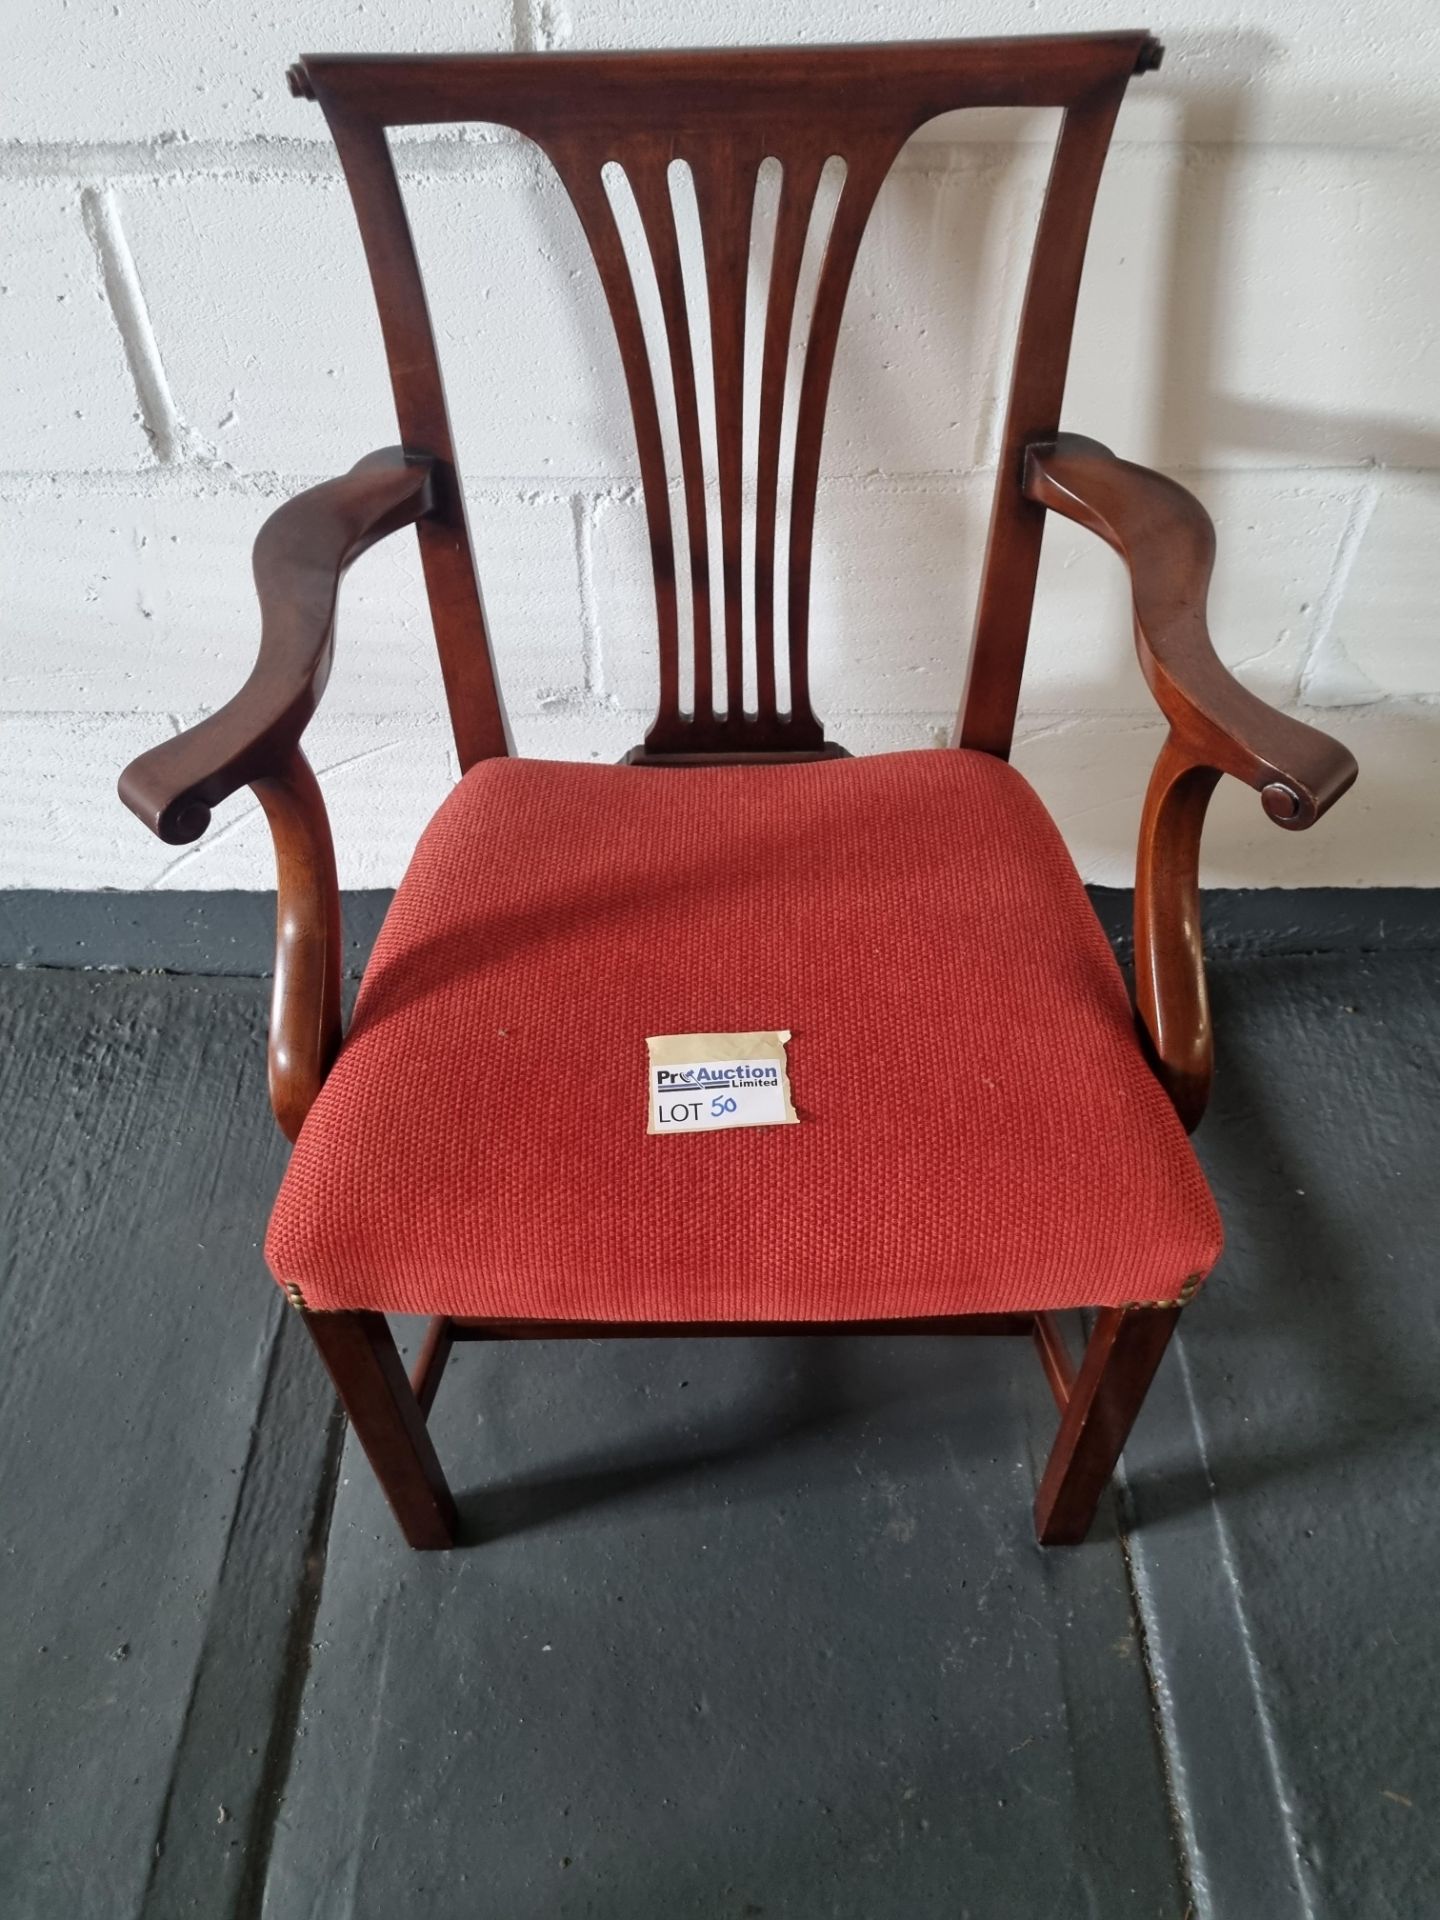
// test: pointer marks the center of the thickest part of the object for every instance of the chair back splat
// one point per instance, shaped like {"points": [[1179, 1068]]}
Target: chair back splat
{"points": [[722, 115]]}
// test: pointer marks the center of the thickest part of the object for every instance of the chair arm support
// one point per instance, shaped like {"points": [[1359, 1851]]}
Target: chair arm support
{"points": [[301, 555], [305, 1025], [1165, 538], [1216, 726], [300, 558]]}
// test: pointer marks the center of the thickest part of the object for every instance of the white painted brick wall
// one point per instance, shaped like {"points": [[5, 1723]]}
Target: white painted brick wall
{"points": [[188, 337]]}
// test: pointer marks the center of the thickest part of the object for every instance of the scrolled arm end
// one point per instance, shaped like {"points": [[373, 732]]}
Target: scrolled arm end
{"points": [[147, 789], [1298, 771], [1296, 802], [173, 786]]}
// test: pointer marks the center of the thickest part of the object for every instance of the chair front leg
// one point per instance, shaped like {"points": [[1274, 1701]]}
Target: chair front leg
{"points": [[362, 1359], [1120, 1361]]}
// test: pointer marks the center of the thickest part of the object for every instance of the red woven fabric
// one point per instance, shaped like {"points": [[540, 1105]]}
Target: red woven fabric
{"points": [[979, 1130]]}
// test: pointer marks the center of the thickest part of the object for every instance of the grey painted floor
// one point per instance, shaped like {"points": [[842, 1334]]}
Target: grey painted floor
{"points": [[745, 1628]]}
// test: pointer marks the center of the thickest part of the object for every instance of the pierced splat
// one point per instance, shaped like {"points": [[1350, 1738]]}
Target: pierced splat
{"points": [[725, 175], [614, 126]]}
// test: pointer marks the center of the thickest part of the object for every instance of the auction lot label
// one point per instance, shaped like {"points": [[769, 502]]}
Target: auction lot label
{"points": [[701, 1082]]}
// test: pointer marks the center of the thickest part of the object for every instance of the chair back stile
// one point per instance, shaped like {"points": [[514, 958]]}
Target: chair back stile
{"points": [[745, 689]]}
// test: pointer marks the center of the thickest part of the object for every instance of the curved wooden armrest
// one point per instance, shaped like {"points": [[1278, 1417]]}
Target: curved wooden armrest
{"points": [[254, 740], [1165, 537], [301, 556], [1216, 726]]}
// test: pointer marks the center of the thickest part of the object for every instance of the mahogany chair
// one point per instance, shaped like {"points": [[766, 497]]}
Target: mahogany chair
{"points": [[989, 1133]]}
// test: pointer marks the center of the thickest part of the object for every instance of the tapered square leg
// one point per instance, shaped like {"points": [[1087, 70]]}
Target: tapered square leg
{"points": [[1120, 1361], [362, 1359]]}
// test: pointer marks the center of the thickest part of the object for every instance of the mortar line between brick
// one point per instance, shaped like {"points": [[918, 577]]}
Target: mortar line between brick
{"points": [[524, 26], [615, 488], [1323, 643], [132, 319], [593, 656], [168, 154]]}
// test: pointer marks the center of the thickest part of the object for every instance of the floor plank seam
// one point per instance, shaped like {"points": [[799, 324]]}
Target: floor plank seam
{"points": [[157, 973], [1187, 1860], [285, 1726], [1264, 1716], [162, 1826], [1218, 952]]}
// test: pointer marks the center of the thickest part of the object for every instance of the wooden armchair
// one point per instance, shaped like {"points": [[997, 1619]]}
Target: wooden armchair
{"points": [[986, 1136]]}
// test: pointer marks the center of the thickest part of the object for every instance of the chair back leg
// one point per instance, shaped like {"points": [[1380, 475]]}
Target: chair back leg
{"points": [[1120, 1360], [362, 1359]]}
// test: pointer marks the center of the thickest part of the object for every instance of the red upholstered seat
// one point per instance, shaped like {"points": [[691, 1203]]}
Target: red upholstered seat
{"points": [[978, 1132]]}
